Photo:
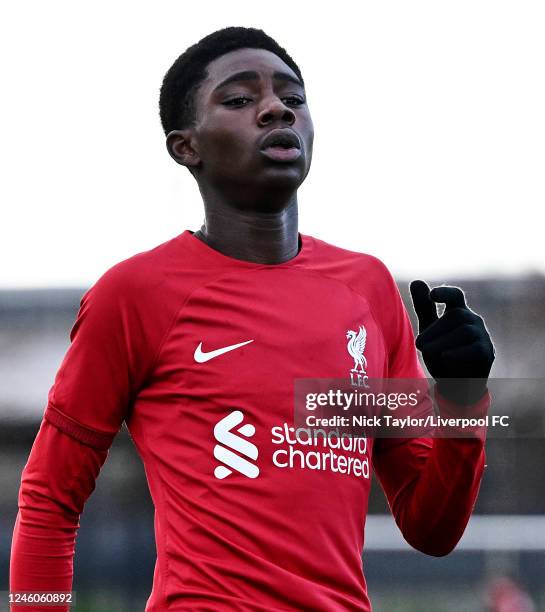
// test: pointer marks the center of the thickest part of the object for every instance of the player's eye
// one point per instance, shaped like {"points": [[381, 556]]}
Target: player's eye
{"points": [[293, 100], [238, 101]]}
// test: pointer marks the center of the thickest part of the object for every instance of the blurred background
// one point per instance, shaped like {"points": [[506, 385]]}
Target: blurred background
{"points": [[500, 560], [428, 154]]}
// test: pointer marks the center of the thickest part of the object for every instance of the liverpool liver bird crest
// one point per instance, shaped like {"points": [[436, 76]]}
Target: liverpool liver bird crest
{"points": [[356, 346]]}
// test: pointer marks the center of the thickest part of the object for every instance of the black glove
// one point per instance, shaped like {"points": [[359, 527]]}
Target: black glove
{"points": [[456, 348]]}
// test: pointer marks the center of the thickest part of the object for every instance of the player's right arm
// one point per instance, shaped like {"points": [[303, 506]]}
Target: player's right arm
{"points": [[107, 361], [56, 482]]}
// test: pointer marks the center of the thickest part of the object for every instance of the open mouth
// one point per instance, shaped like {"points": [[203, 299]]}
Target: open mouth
{"points": [[281, 145]]}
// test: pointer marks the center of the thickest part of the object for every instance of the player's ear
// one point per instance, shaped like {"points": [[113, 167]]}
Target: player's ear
{"points": [[182, 149]]}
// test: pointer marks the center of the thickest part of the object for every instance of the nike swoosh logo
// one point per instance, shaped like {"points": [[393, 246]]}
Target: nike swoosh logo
{"points": [[202, 357]]}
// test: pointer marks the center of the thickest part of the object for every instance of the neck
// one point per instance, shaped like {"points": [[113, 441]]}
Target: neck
{"points": [[269, 237]]}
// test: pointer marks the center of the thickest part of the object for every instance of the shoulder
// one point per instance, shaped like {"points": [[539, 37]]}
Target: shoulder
{"points": [[135, 277], [132, 298], [142, 270], [360, 270], [132, 291]]}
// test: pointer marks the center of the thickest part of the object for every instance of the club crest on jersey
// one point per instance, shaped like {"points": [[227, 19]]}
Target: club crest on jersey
{"points": [[227, 440], [356, 348]]}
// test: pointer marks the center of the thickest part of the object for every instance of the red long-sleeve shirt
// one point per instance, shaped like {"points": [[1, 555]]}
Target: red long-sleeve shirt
{"points": [[198, 352]]}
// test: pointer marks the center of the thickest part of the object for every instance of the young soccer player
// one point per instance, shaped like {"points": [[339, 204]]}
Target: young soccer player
{"points": [[196, 344]]}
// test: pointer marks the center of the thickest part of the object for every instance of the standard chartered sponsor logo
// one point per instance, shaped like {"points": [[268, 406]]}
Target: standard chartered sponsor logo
{"points": [[320, 450], [300, 448], [228, 440]]}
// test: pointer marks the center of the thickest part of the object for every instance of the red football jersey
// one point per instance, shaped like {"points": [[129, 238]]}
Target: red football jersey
{"points": [[198, 353]]}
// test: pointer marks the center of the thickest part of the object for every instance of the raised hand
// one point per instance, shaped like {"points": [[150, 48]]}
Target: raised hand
{"points": [[456, 347]]}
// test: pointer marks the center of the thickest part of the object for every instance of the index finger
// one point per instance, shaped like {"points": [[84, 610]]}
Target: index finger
{"points": [[425, 309]]}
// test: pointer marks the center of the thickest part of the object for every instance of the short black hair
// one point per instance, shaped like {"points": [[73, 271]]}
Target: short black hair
{"points": [[176, 100]]}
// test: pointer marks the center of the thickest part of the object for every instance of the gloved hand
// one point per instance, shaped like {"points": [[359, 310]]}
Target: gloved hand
{"points": [[456, 347]]}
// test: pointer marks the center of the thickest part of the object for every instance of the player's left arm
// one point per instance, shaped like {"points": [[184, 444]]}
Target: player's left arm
{"points": [[432, 484]]}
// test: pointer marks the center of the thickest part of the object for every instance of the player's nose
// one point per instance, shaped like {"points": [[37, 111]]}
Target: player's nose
{"points": [[274, 110]]}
